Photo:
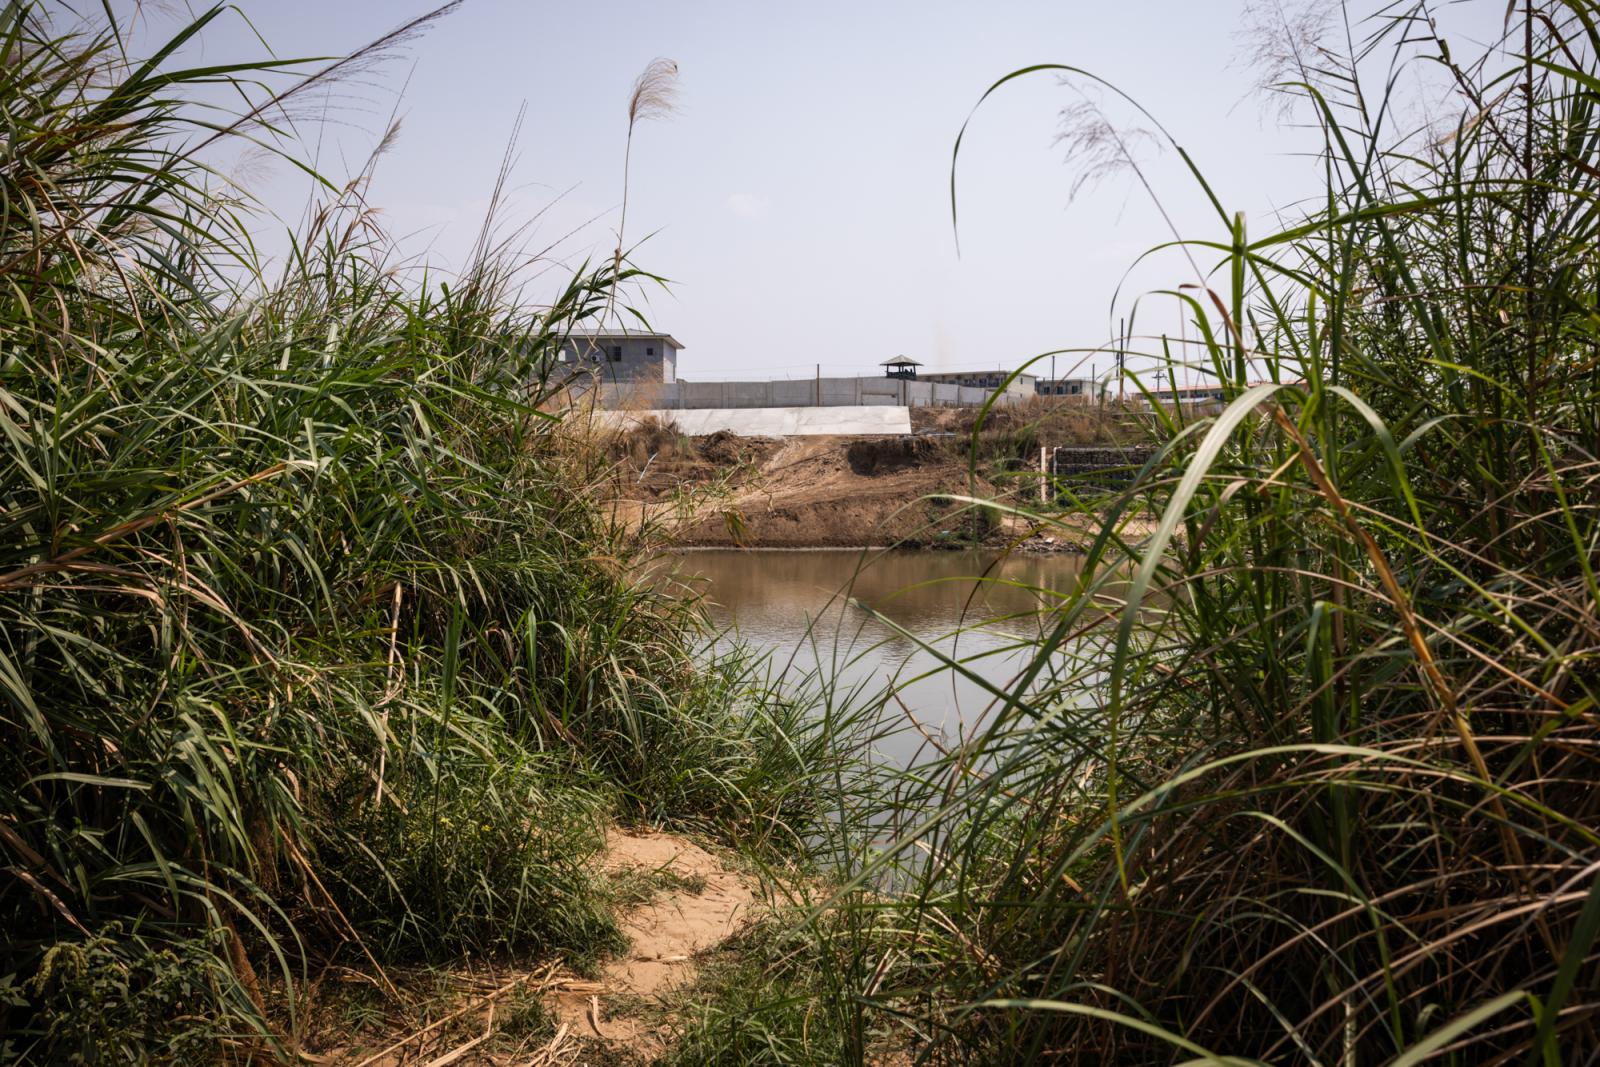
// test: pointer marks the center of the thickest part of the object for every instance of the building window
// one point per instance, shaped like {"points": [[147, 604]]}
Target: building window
{"points": [[616, 353], [650, 351]]}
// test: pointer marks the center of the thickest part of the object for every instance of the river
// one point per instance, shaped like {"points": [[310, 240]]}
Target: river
{"points": [[804, 607]]}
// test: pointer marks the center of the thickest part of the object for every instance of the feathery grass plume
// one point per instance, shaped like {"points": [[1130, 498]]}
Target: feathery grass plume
{"points": [[654, 96], [655, 92], [1287, 48], [1097, 148], [294, 103]]}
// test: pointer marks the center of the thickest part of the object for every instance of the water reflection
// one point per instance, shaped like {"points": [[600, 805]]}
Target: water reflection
{"points": [[807, 608]]}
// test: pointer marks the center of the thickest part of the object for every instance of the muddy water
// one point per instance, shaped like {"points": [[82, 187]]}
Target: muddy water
{"points": [[805, 607]]}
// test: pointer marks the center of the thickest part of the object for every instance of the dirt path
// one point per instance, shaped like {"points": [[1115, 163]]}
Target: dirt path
{"points": [[691, 901], [703, 902]]}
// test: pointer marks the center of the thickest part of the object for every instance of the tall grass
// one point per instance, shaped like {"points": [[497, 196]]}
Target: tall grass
{"points": [[315, 646], [1320, 784]]}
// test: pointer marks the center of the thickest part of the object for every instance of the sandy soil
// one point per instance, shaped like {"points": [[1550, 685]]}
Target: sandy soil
{"points": [[605, 1021], [666, 934]]}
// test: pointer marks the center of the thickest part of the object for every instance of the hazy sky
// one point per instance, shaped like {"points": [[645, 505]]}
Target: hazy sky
{"points": [[799, 200]]}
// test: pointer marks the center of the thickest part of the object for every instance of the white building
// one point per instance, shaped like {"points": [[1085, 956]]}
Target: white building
{"points": [[623, 355], [1087, 387], [982, 379]]}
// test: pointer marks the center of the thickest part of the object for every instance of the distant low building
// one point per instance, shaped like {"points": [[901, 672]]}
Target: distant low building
{"points": [[1086, 387], [1211, 393], [623, 355], [983, 379]]}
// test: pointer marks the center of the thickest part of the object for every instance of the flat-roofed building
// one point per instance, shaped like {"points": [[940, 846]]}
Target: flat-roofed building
{"points": [[623, 355], [983, 379], [1084, 387], [1210, 393]]}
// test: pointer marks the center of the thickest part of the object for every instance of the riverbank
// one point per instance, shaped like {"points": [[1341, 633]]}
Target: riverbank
{"points": [[333, 691], [917, 491]]}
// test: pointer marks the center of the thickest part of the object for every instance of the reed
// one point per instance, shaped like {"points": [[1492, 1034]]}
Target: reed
{"points": [[1304, 771], [316, 646]]}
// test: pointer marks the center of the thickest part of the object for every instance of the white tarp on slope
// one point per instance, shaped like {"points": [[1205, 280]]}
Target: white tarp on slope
{"points": [[776, 422]]}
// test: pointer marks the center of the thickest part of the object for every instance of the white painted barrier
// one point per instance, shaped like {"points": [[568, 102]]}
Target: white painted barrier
{"points": [[802, 392], [775, 422]]}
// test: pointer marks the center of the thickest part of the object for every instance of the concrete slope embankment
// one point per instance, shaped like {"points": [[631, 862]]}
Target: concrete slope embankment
{"points": [[775, 422]]}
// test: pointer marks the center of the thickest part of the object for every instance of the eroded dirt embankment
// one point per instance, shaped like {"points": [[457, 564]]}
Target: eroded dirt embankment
{"points": [[848, 492], [810, 492]]}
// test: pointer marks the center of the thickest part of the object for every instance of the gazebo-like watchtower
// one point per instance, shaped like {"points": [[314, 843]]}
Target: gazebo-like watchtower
{"points": [[900, 367]]}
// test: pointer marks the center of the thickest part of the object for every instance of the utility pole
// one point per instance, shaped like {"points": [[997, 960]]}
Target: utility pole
{"points": [[1052, 375], [819, 385], [1183, 343], [1122, 342]]}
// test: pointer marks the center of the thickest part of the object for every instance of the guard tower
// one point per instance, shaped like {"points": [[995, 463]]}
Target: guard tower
{"points": [[900, 367]]}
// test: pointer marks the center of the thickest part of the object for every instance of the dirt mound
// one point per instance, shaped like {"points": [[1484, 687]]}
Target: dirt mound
{"points": [[870, 457], [819, 492], [847, 491], [726, 448]]}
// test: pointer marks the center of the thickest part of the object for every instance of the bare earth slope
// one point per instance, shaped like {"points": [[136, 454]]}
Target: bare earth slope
{"points": [[809, 492]]}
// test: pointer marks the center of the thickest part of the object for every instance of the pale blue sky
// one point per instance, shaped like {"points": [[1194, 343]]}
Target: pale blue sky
{"points": [[799, 199]]}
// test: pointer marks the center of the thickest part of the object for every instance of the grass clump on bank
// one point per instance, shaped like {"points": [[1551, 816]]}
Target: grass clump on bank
{"points": [[755, 1002], [314, 646], [1308, 774]]}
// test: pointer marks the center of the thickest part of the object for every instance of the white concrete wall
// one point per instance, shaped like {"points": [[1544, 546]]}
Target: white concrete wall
{"points": [[825, 392], [775, 422]]}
